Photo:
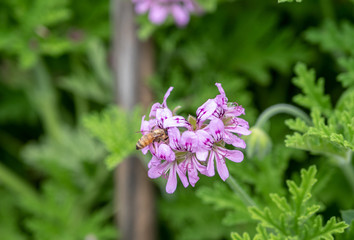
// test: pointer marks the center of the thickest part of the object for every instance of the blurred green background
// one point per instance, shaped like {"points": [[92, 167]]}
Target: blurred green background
{"points": [[55, 73]]}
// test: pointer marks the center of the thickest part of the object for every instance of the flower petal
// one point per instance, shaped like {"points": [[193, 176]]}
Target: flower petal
{"points": [[157, 170], [164, 104], [142, 7], [154, 107], [144, 126], [205, 140], [189, 141], [210, 167], [221, 167], [161, 115], [176, 121], [172, 179], [158, 13], [182, 176], [216, 129], [221, 99], [174, 135], [230, 138], [206, 110], [202, 155], [180, 14], [166, 153], [234, 155]]}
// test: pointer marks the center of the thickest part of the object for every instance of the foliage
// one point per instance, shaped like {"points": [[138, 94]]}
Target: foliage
{"points": [[55, 81], [295, 218], [116, 129]]}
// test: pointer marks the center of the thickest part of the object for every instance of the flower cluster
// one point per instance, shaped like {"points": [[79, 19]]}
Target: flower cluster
{"points": [[195, 145], [160, 9]]}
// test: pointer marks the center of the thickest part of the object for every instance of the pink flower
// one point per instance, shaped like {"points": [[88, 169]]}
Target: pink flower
{"points": [[196, 145], [189, 145], [217, 152], [163, 163], [160, 9]]}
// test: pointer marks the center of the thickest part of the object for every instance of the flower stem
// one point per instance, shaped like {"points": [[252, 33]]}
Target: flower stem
{"points": [[348, 169], [247, 200], [282, 108]]}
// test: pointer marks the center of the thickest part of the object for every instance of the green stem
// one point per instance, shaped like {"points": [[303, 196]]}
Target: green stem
{"points": [[247, 200], [327, 9], [16, 184], [81, 107], [282, 108], [348, 169], [45, 99]]}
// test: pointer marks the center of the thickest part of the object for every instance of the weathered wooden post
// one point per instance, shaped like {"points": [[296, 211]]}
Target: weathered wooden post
{"points": [[132, 62]]}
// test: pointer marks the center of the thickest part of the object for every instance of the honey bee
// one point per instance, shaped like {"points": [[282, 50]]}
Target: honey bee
{"points": [[156, 135]]}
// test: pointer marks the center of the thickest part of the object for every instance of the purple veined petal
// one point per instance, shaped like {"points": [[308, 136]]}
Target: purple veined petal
{"points": [[164, 104], [221, 90], [176, 121], [192, 174], [180, 14], [234, 155], [182, 176], [172, 179], [154, 107], [187, 166], [202, 155], [210, 167], [205, 140], [235, 111], [154, 162], [239, 129], [142, 6], [144, 125], [192, 6], [221, 167], [157, 170], [145, 150], [158, 13], [216, 129], [230, 138], [153, 148], [242, 131], [221, 99], [206, 110], [189, 141], [166, 153], [242, 122], [201, 168], [235, 123], [161, 115], [174, 135]]}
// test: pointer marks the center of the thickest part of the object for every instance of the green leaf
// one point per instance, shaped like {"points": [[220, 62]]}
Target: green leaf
{"points": [[313, 94], [117, 130], [222, 198], [326, 232], [332, 38], [346, 78], [236, 236], [348, 215], [297, 125], [296, 218], [302, 193]]}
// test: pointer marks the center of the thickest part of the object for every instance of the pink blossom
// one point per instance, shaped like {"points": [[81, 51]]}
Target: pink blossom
{"points": [[160, 9], [198, 144]]}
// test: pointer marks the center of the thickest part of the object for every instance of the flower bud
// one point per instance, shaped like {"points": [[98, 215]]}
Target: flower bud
{"points": [[258, 143]]}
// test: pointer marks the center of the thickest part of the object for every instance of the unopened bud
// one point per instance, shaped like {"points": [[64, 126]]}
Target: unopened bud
{"points": [[258, 143]]}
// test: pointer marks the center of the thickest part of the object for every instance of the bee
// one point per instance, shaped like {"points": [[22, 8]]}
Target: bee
{"points": [[156, 135]]}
